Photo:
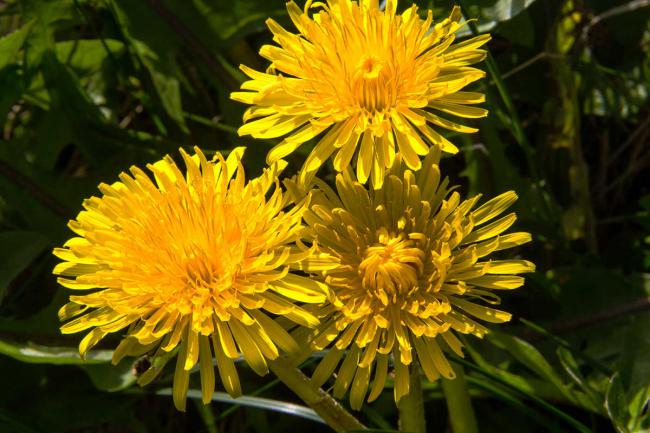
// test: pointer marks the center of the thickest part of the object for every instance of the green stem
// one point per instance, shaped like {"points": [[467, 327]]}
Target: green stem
{"points": [[411, 406], [459, 405], [211, 123], [323, 404], [205, 412]]}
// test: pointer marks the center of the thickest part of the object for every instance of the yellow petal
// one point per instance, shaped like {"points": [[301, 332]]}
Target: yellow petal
{"points": [[181, 379], [459, 109], [439, 359], [346, 372], [227, 370], [345, 153], [492, 229], [402, 380], [206, 369], [484, 313], [510, 267], [365, 157], [326, 367], [512, 240], [359, 387], [192, 349], [90, 340], [249, 349], [277, 333], [426, 361], [226, 341], [494, 207], [498, 282], [381, 372]]}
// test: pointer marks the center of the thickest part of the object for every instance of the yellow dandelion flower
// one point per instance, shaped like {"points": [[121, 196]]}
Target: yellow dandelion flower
{"points": [[408, 268], [366, 78], [191, 266]]}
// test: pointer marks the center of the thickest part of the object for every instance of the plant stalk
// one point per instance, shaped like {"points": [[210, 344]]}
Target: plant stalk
{"points": [[411, 406], [323, 404], [459, 405]]}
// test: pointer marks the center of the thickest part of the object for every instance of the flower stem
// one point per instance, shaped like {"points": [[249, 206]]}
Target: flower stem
{"points": [[459, 405], [323, 404], [411, 406]]}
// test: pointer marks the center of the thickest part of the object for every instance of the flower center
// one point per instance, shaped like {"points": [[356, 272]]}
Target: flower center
{"points": [[216, 275], [391, 266], [207, 266], [371, 67], [373, 86]]}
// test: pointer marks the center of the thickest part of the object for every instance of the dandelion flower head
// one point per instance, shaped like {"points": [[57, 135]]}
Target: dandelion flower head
{"points": [[191, 265], [409, 268], [373, 82]]}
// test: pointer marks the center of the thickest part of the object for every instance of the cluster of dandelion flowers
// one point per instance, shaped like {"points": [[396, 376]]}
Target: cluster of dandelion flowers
{"points": [[408, 268], [366, 78], [190, 266]]}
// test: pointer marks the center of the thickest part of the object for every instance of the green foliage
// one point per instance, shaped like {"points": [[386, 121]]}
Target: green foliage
{"points": [[89, 88]]}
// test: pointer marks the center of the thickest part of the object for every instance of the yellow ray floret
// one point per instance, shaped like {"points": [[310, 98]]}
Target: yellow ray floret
{"points": [[409, 267], [366, 82], [189, 264]]}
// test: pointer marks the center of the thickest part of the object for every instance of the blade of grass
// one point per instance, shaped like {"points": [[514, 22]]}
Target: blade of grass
{"points": [[254, 393], [502, 394], [411, 406], [207, 416], [538, 401], [563, 343], [256, 402], [459, 404], [376, 417]]}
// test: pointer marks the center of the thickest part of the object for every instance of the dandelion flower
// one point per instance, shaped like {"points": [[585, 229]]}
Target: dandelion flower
{"points": [[409, 269], [366, 78], [189, 266]]}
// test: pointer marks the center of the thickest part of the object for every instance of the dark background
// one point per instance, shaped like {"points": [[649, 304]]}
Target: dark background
{"points": [[91, 87]]}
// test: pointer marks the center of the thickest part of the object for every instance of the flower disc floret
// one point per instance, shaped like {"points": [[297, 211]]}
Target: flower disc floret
{"points": [[189, 264], [409, 268], [366, 81]]}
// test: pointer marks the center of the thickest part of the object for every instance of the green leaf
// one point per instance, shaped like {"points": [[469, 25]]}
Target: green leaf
{"points": [[11, 83], [73, 117], [510, 398], [573, 370], [38, 354], [490, 13], [640, 417], [87, 55], [19, 249], [525, 353], [235, 20], [490, 374], [519, 30], [46, 17], [502, 10], [156, 46], [616, 404], [10, 45], [108, 377], [635, 359]]}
